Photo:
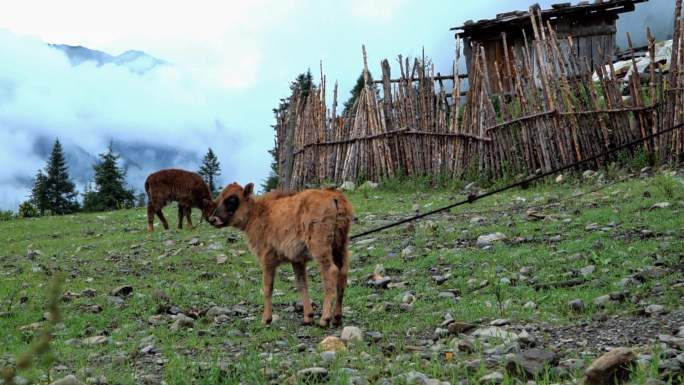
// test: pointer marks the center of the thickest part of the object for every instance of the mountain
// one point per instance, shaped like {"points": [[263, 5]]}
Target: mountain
{"points": [[137, 62]]}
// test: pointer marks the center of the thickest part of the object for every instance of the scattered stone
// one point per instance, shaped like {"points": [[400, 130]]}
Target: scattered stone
{"points": [[500, 322], [589, 174], [181, 321], [407, 252], [96, 340], [610, 367], [332, 343], [408, 298], [215, 311], [576, 305], [368, 185], [221, 259], [68, 380], [312, 375], [587, 271], [530, 363], [492, 378], [494, 332], [529, 305], [592, 227], [654, 309], [348, 186], [460, 327], [328, 356], [194, 242], [122, 291], [675, 342], [477, 220], [351, 333], [661, 205], [490, 239], [602, 301]]}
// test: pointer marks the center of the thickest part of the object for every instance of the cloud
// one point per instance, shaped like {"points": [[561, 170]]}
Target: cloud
{"points": [[165, 117]]}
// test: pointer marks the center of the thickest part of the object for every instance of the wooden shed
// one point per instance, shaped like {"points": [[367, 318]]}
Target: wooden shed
{"points": [[591, 25]]}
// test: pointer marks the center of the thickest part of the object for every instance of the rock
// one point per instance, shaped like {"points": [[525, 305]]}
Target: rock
{"points": [[315, 374], [559, 178], [328, 356], [592, 227], [194, 242], [465, 346], [610, 367], [351, 333], [348, 186], [221, 259], [651, 272], [526, 339], [408, 298], [587, 270], [181, 321], [588, 174], [675, 342], [215, 311], [576, 305], [661, 205], [368, 185], [500, 322], [333, 344], [407, 252], [96, 340], [477, 220], [68, 380], [530, 363], [460, 327], [122, 291], [494, 332], [489, 239], [654, 309], [569, 367], [529, 305], [492, 378], [602, 301], [440, 333]]}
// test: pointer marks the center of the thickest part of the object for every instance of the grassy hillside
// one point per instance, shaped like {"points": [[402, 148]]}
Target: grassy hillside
{"points": [[600, 236]]}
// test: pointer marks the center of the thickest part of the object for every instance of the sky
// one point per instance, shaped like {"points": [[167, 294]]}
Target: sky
{"points": [[229, 64]]}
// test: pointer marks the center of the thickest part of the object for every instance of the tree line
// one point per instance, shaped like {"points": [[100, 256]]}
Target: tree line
{"points": [[54, 193]]}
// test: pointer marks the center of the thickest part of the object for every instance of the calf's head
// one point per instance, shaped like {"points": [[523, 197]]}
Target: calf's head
{"points": [[233, 206], [208, 208]]}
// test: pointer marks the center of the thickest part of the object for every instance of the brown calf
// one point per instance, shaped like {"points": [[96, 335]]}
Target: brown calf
{"points": [[294, 228], [173, 185]]}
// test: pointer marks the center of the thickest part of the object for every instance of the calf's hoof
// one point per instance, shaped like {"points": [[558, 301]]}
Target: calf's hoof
{"points": [[324, 322], [337, 321]]}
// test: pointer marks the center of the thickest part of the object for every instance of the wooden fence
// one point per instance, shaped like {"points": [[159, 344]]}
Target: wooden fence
{"points": [[555, 115]]}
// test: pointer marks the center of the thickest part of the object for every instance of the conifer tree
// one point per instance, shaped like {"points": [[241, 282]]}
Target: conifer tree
{"points": [[210, 169], [60, 191], [110, 192], [38, 197]]}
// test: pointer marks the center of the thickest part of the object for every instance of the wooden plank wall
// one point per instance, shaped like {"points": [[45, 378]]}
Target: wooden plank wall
{"points": [[552, 117]]}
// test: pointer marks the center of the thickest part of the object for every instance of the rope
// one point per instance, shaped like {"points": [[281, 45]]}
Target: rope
{"points": [[522, 183]]}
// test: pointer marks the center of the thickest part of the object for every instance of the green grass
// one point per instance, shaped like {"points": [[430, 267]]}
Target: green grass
{"points": [[106, 250]]}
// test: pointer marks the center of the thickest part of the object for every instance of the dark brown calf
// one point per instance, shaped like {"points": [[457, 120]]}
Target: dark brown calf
{"points": [[294, 228], [173, 185]]}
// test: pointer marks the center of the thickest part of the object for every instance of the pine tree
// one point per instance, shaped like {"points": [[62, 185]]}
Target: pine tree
{"points": [[60, 191], [39, 197], [210, 169], [110, 192], [356, 92], [303, 84], [141, 200]]}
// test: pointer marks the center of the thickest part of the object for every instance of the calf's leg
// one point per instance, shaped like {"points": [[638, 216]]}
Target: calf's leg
{"points": [[150, 217], [188, 214], [341, 286], [299, 269], [162, 219], [268, 272], [181, 215]]}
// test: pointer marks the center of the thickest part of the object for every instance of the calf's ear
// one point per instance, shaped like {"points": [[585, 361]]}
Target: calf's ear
{"points": [[249, 190]]}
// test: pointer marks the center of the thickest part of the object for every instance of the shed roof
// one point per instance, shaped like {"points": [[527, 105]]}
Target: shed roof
{"points": [[518, 18]]}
